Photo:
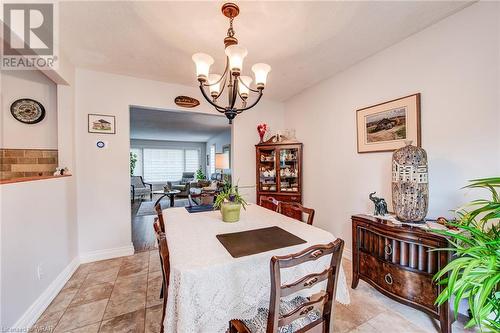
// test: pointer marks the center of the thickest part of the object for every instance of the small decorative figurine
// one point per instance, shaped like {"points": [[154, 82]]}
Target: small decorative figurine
{"points": [[262, 128], [380, 205]]}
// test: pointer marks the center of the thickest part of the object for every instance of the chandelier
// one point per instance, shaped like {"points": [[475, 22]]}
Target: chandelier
{"points": [[238, 86]]}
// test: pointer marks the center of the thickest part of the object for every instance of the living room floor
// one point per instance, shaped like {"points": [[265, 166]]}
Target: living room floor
{"points": [[122, 295]]}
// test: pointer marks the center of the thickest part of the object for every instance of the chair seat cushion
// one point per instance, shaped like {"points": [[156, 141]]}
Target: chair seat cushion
{"points": [[142, 190], [179, 187], [258, 324]]}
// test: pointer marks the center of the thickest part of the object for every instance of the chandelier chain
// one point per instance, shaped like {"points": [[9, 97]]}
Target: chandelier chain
{"points": [[230, 31]]}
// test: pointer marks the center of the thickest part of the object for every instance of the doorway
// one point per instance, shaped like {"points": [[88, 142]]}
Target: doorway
{"points": [[177, 158]]}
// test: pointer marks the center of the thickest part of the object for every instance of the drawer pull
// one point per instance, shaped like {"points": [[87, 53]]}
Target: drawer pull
{"points": [[388, 249], [388, 278]]}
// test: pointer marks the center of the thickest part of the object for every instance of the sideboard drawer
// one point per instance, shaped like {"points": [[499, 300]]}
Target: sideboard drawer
{"points": [[417, 288]]}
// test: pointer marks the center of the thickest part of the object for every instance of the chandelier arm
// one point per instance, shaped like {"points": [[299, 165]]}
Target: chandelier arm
{"points": [[221, 77], [241, 81], [223, 87], [235, 92], [253, 104], [218, 108]]}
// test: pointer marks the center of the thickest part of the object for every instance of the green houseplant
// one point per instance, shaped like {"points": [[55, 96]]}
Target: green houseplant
{"points": [[133, 162], [200, 175], [474, 274], [230, 202]]}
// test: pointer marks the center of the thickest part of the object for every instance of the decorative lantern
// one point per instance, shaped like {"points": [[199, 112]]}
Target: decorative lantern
{"points": [[410, 187]]}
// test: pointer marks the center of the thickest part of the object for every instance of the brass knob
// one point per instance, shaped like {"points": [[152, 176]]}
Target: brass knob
{"points": [[388, 278], [388, 249]]}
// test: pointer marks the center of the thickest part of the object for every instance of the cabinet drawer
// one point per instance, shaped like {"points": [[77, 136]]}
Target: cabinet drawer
{"points": [[414, 287], [288, 198]]}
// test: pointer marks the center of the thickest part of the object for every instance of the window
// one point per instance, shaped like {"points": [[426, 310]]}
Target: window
{"points": [[212, 159], [162, 165]]}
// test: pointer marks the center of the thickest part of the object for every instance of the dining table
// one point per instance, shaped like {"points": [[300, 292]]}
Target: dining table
{"points": [[208, 287]]}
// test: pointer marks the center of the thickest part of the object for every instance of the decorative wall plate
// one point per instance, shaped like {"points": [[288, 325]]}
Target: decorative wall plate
{"points": [[27, 111], [186, 101]]}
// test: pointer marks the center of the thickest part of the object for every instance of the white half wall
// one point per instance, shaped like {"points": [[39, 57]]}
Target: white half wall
{"points": [[455, 65], [104, 219], [34, 85]]}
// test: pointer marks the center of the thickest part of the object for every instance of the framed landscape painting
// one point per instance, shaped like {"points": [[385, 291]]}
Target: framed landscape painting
{"points": [[386, 126], [102, 124]]}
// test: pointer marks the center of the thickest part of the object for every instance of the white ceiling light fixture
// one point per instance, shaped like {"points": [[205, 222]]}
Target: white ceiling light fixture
{"points": [[238, 86]]}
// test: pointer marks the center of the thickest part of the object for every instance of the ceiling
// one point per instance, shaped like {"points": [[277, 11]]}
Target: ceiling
{"points": [[304, 42], [154, 124]]}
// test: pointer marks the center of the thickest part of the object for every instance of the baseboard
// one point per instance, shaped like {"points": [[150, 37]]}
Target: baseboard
{"points": [[347, 254], [42, 302], [107, 254]]}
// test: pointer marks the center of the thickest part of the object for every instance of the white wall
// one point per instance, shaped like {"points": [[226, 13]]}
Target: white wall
{"points": [[455, 65], [103, 175], [34, 85]]}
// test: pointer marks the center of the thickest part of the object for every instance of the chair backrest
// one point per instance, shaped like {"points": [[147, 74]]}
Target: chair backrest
{"points": [[187, 177], [159, 212], [137, 181], [164, 254], [292, 207], [323, 304], [269, 203]]}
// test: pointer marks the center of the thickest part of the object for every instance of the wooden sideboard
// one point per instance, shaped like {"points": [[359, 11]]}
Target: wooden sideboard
{"points": [[396, 261]]}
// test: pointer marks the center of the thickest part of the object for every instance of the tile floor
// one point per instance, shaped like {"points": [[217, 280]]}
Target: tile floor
{"points": [[122, 295]]}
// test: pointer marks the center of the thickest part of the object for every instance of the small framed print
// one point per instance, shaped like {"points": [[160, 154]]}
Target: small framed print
{"points": [[102, 124], [386, 126]]}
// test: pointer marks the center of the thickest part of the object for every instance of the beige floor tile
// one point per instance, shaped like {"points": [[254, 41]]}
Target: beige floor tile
{"points": [[62, 300], [108, 275], [124, 302], [364, 328], [129, 322], [154, 261], [93, 328], [154, 287], [47, 321], [134, 268], [100, 266], [364, 304], [135, 282], [153, 319], [92, 293], [82, 315], [390, 322], [344, 320]]}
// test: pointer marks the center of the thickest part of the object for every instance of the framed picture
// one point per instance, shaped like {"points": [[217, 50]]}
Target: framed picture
{"points": [[102, 124], [386, 126]]}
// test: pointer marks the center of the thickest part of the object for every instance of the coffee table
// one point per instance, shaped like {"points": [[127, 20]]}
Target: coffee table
{"points": [[170, 194]]}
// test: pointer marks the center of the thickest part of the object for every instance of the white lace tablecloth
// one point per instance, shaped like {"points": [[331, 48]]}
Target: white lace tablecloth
{"points": [[208, 287]]}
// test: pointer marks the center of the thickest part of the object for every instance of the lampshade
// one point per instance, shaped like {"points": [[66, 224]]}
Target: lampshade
{"points": [[203, 62], [213, 80], [236, 54], [260, 71], [222, 161], [247, 80]]}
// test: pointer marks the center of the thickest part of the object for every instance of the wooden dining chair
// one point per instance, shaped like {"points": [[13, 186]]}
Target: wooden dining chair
{"points": [[292, 209], [301, 314], [269, 203], [159, 212], [165, 266]]}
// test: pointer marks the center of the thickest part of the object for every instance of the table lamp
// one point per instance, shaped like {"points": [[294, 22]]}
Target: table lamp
{"points": [[222, 162]]}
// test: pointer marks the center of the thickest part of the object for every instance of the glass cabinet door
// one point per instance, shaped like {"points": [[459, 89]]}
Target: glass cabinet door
{"points": [[267, 169], [289, 170]]}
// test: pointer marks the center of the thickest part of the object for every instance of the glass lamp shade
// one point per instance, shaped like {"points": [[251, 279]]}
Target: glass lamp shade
{"points": [[213, 80], [244, 91], [203, 62], [236, 54], [260, 71]]}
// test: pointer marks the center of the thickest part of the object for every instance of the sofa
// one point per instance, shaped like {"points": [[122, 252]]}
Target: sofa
{"points": [[182, 185]]}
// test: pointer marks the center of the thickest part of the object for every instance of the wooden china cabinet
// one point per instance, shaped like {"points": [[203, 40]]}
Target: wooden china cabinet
{"points": [[279, 171]]}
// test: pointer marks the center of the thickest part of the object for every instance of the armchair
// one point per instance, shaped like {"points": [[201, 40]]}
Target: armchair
{"points": [[182, 185], [139, 187]]}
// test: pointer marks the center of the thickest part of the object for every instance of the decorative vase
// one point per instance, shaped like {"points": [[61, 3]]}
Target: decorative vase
{"points": [[262, 128], [230, 211], [410, 187]]}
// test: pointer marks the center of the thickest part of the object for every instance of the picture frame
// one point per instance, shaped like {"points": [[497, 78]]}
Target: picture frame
{"points": [[101, 124], [386, 126]]}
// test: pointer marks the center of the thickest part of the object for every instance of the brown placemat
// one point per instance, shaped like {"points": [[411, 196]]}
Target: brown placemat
{"points": [[245, 243]]}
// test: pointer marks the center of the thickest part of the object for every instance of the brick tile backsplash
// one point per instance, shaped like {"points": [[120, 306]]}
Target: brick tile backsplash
{"points": [[19, 163]]}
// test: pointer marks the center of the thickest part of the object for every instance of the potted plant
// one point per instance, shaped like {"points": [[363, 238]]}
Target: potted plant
{"points": [[474, 274], [230, 202], [200, 175], [133, 161]]}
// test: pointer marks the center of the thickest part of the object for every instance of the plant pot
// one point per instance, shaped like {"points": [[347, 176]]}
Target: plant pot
{"points": [[230, 212]]}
